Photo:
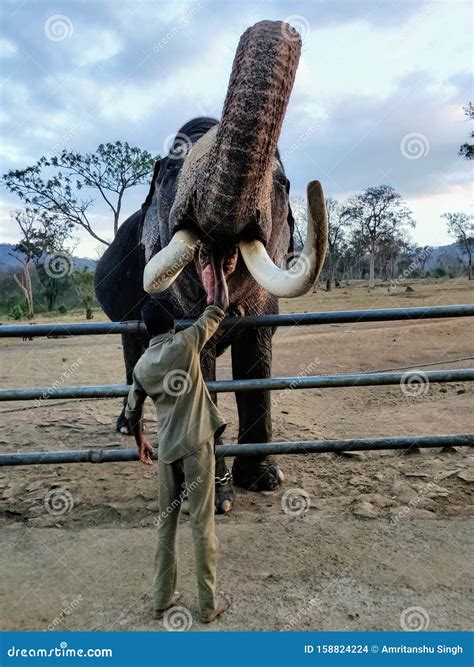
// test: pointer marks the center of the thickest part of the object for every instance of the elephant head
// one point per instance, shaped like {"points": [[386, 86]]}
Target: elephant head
{"points": [[228, 209]]}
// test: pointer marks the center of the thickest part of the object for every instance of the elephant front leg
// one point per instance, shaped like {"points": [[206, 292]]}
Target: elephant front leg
{"points": [[132, 346], [252, 359]]}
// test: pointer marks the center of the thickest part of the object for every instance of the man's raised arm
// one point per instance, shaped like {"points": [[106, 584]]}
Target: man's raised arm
{"points": [[204, 328]]}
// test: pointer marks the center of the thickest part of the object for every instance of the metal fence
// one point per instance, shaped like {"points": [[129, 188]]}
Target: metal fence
{"points": [[39, 394]]}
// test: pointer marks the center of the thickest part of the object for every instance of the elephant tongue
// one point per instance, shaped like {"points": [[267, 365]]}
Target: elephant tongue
{"points": [[212, 276]]}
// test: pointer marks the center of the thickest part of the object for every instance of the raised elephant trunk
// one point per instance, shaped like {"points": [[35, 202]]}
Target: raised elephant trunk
{"points": [[225, 189], [237, 174]]}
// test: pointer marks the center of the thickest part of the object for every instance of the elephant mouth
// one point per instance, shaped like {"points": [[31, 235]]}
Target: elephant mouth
{"points": [[215, 268]]}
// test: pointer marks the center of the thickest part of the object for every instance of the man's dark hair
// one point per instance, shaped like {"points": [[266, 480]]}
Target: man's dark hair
{"points": [[157, 317]]}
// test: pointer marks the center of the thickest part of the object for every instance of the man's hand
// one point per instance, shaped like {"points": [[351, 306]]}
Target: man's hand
{"points": [[145, 451]]}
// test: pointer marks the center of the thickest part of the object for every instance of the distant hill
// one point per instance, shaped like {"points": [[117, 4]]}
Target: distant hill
{"points": [[437, 253], [9, 263]]}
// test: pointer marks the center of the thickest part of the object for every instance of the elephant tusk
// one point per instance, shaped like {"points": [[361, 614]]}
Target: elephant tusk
{"points": [[300, 277], [164, 267]]}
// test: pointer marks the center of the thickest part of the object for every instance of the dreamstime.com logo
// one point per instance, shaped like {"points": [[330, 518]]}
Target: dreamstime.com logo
{"points": [[298, 23], [414, 619], [58, 501], [414, 145], [177, 382], [295, 502], [58, 27], [177, 146], [414, 383], [58, 265], [61, 651], [178, 619], [297, 264]]}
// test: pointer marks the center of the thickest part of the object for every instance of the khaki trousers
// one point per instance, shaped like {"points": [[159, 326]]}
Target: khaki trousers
{"points": [[197, 471]]}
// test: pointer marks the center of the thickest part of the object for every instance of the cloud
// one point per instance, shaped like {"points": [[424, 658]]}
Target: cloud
{"points": [[371, 73], [7, 48], [100, 45]]}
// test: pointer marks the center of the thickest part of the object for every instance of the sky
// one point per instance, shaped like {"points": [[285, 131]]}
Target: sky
{"points": [[377, 99]]}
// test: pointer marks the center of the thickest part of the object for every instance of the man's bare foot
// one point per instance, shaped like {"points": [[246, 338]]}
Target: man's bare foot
{"points": [[222, 606], [159, 613]]}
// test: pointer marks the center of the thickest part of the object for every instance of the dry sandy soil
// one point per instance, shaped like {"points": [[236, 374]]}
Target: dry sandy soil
{"points": [[382, 532]]}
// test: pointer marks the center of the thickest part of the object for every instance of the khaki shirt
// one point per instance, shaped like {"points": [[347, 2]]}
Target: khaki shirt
{"points": [[169, 372]]}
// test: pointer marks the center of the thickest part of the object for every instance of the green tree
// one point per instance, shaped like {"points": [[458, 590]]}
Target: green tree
{"points": [[461, 227], [54, 185], [377, 213], [84, 284]]}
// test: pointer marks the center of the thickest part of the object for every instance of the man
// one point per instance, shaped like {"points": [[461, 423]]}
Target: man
{"points": [[170, 373]]}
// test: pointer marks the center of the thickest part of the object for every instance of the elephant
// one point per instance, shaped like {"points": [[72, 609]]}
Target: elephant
{"points": [[218, 210]]}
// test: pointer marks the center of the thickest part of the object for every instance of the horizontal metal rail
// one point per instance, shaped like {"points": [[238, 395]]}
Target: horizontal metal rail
{"points": [[272, 384], [255, 449], [249, 321]]}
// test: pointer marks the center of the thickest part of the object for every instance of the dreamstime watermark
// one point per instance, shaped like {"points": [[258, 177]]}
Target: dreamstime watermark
{"points": [[177, 382], [177, 146], [413, 504], [298, 23], [297, 264], [176, 29], [295, 502], [58, 501], [66, 611], [65, 375], [58, 27], [309, 368], [176, 503], [177, 266], [67, 137], [329, 590], [414, 383], [414, 619], [419, 22], [417, 263], [414, 145], [294, 621], [178, 619], [58, 265], [301, 139]]}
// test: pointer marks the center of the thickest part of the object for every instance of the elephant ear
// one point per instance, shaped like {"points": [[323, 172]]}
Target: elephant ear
{"points": [[149, 228]]}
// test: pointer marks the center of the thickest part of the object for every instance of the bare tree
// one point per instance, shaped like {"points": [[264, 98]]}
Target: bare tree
{"points": [[300, 213], [25, 252], [377, 212], [40, 235], [461, 227], [337, 229]]}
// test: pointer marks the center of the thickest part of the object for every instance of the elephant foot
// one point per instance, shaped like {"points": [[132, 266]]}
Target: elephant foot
{"points": [[224, 488], [122, 425], [257, 475]]}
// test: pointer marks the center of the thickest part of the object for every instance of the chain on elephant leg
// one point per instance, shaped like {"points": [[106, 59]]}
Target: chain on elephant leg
{"points": [[224, 487]]}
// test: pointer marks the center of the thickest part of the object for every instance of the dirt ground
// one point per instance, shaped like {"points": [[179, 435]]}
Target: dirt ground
{"points": [[372, 541]]}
